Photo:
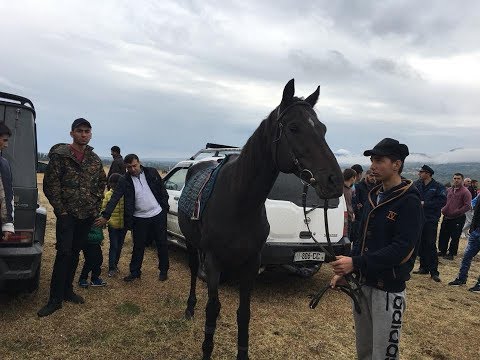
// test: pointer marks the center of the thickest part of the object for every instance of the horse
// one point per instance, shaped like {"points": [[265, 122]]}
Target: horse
{"points": [[233, 226]]}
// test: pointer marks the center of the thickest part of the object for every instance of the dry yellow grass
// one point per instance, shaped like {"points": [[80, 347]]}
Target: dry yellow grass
{"points": [[144, 319]]}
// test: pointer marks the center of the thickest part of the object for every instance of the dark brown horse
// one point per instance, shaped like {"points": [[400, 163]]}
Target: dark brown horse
{"points": [[234, 225]]}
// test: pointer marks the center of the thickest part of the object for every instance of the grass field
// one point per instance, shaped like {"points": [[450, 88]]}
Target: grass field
{"points": [[144, 319]]}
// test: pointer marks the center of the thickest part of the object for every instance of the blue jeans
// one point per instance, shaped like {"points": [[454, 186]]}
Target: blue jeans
{"points": [[472, 249], [117, 237]]}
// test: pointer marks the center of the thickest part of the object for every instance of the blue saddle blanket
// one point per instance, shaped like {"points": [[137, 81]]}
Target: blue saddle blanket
{"points": [[198, 189]]}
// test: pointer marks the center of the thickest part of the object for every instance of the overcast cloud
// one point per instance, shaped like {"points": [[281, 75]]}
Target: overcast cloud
{"points": [[162, 78]]}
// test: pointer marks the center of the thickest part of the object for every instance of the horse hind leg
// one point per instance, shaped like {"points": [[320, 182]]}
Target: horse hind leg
{"points": [[213, 305], [247, 281], [193, 264]]}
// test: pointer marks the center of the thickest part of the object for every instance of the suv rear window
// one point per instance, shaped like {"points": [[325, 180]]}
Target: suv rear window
{"points": [[288, 187]]}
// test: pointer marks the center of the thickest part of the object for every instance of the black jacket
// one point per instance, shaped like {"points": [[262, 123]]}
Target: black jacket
{"points": [[126, 188], [476, 217], [7, 182], [117, 167], [362, 188], [434, 197], [390, 231]]}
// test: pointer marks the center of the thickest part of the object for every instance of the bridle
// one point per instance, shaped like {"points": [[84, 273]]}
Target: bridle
{"points": [[352, 288]]}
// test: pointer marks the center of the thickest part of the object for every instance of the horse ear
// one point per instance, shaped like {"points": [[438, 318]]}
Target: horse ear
{"points": [[288, 92], [313, 98]]}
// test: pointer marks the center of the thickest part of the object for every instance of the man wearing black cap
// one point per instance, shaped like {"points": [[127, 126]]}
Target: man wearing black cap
{"points": [[384, 255], [434, 197], [74, 183]]}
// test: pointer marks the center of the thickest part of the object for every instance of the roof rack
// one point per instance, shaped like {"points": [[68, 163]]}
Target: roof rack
{"points": [[216, 150], [17, 100]]}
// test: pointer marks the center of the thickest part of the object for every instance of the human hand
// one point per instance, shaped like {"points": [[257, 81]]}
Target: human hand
{"points": [[100, 222], [337, 280], [6, 235], [343, 265]]}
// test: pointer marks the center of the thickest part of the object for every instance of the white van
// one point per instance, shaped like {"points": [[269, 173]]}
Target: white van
{"points": [[289, 243]]}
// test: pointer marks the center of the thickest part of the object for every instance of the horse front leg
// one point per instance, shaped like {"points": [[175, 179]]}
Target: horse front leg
{"points": [[247, 281], [213, 305], [193, 264]]}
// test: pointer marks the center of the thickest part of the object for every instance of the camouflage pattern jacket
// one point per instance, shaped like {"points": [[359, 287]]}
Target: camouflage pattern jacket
{"points": [[73, 187]]}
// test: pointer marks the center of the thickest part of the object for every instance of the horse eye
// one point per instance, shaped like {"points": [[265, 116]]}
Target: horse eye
{"points": [[293, 128]]}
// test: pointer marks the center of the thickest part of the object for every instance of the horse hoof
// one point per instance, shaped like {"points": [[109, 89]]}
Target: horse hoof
{"points": [[188, 314]]}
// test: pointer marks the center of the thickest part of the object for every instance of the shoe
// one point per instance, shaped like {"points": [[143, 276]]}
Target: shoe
{"points": [[436, 278], [448, 257], [162, 276], [476, 288], [98, 282], [457, 282], [131, 277], [83, 283], [421, 271], [49, 309], [111, 273], [441, 253], [74, 298]]}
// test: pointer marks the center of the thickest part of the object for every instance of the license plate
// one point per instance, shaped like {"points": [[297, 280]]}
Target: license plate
{"points": [[309, 256]]}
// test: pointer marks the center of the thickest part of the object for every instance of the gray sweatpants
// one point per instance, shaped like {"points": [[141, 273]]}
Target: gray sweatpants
{"points": [[378, 327]]}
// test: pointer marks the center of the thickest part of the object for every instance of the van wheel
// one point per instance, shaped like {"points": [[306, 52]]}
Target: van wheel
{"points": [[33, 283]]}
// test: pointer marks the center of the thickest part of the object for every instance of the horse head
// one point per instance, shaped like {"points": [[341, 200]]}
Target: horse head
{"points": [[299, 144]]}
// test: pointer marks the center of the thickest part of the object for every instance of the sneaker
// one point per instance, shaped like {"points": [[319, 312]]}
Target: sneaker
{"points": [[436, 278], [49, 309], [421, 271], [98, 282], [74, 298], [83, 283], [476, 288], [441, 253], [131, 277], [457, 282], [162, 276], [111, 273]]}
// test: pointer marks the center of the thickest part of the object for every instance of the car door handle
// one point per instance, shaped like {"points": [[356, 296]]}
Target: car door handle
{"points": [[176, 198]]}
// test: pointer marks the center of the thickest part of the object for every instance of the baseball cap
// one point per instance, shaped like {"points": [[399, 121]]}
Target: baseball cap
{"points": [[80, 121], [388, 147]]}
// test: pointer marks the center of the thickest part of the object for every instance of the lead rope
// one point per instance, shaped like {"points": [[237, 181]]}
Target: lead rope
{"points": [[353, 288]]}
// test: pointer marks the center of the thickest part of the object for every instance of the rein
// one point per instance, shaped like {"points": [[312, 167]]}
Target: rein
{"points": [[353, 288]]}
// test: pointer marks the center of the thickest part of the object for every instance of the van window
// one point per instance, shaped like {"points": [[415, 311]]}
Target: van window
{"points": [[176, 179], [288, 187]]}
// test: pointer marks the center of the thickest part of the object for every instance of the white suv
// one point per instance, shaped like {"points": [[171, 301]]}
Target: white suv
{"points": [[289, 243]]}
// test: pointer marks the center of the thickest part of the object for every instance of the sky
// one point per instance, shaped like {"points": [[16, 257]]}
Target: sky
{"points": [[162, 78]]}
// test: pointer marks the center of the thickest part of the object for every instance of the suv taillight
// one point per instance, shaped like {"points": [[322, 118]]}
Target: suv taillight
{"points": [[20, 237], [345, 223]]}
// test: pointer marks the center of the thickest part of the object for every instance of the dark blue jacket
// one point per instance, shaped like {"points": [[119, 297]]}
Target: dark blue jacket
{"points": [[362, 188], [390, 232], [434, 197], [126, 188]]}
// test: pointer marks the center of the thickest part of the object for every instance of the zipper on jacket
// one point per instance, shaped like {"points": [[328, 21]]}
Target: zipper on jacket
{"points": [[388, 300], [394, 274]]}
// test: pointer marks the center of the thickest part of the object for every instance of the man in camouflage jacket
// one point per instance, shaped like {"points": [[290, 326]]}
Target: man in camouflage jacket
{"points": [[74, 184]]}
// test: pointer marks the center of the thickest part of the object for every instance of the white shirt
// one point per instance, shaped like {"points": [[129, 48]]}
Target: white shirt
{"points": [[146, 206]]}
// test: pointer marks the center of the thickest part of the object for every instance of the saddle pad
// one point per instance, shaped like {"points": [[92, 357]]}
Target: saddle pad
{"points": [[198, 189]]}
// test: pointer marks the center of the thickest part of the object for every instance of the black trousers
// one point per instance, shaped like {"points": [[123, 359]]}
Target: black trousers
{"points": [[93, 261], [450, 229], [427, 250], [155, 227], [72, 235]]}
